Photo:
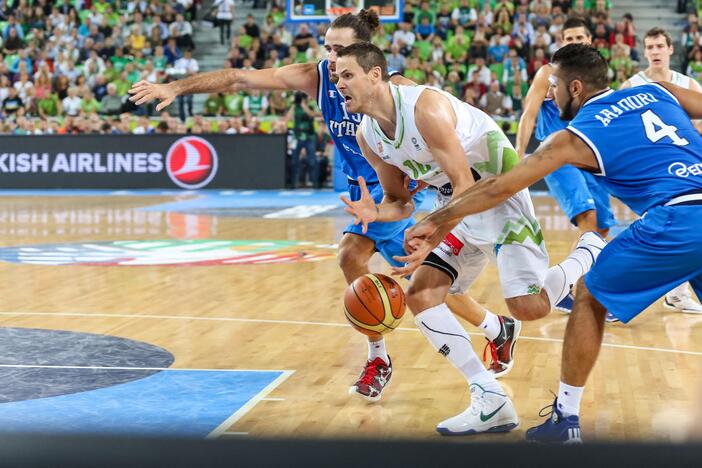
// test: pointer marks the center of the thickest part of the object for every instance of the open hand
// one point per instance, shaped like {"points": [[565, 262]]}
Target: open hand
{"points": [[365, 211], [144, 92]]}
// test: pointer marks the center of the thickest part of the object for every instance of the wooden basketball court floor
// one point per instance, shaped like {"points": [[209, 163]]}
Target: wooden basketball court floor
{"points": [[281, 314]]}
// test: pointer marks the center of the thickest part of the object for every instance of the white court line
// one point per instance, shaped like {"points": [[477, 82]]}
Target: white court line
{"points": [[322, 324], [231, 420]]}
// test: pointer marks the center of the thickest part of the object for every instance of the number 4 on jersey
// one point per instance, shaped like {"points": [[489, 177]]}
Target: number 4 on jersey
{"points": [[657, 129]]}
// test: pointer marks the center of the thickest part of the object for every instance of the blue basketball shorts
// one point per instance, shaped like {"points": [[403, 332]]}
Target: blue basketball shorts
{"points": [[653, 255], [388, 237], [577, 191]]}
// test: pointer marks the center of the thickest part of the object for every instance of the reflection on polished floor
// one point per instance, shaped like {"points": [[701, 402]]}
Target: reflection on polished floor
{"points": [[229, 290]]}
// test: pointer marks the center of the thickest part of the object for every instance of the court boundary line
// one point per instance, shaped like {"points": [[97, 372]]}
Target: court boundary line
{"points": [[249, 405], [303, 322]]}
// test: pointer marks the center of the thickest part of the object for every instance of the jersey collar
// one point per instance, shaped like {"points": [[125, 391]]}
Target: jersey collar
{"points": [[598, 96], [400, 125]]}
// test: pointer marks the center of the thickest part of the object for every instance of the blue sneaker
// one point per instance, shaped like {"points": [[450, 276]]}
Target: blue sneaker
{"points": [[609, 318], [566, 304], [556, 429]]}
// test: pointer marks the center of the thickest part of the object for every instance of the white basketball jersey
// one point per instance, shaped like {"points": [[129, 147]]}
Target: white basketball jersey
{"points": [[676, 78], [487, 149]]}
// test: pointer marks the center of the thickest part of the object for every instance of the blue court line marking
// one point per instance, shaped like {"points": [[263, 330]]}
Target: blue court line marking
{"points": [[176, 402]]}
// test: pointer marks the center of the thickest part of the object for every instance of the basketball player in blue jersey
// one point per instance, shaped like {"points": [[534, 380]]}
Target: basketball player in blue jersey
{"points": [[643, 147], [356, 247], [579, 195], [658, 48]]}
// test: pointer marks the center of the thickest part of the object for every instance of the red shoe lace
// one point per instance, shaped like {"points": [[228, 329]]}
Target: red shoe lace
{"points": [[369, 372], [493, 352]]}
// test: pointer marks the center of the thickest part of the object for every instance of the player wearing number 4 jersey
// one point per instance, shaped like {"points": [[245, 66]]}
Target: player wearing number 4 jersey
{"points": [[658, 48], [429, 134], [641, 144], [356, 247]]}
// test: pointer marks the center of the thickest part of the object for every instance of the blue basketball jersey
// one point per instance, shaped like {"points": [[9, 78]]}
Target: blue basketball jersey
{"points": [[342, 127], [647, 148], [549, 120]]}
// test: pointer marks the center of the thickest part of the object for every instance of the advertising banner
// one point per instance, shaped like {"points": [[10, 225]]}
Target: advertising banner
{"points": [[143, 161]]}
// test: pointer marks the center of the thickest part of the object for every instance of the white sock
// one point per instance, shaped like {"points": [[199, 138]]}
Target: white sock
{"points": [[679, 291], [569, 399], [377, 349], [491, 326], [448, 337], [562, 277]]}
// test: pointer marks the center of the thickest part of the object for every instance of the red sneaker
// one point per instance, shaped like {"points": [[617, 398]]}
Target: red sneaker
{"points": [[373, 379], [502, 347]]}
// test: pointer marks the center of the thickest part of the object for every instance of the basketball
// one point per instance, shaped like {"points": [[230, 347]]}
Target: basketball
{"points": [[374, 304]]}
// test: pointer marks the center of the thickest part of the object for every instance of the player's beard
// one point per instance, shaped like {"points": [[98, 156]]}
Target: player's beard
{"points": [[567, 112]]}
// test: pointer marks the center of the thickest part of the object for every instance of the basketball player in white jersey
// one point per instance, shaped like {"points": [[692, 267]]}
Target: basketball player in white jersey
{"points": [[658, 48], [456, 146]]}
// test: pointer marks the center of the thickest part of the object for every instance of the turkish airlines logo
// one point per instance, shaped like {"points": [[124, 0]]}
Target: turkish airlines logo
{"points": [[191, 162]]}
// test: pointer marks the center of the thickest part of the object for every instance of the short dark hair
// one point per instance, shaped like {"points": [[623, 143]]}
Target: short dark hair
{"points": [[368, 56], [655, 32], [582, 62], [364, 24], [576, 22]]}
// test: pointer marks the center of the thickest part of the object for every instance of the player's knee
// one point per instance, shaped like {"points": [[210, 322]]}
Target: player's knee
{"points": [[345, 258], [419, 298], [354, 255], [527, 308]]}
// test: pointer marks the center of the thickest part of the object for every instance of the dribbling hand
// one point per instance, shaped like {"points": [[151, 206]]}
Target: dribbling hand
{"points": [[420, 240], [144, 92]]}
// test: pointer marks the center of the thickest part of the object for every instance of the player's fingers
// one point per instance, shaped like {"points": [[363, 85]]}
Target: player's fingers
{"points": [[345, 200], [137, 94], [365, 227], [406, 270], [362, 184], [144, 98], [165, 103]]}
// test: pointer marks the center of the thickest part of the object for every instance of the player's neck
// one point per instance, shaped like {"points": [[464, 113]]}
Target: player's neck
{"points": [[659, 74], [382, 109]]}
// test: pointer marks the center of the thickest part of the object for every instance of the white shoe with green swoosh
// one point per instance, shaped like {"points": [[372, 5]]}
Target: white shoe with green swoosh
{"points": [[488, 412]]}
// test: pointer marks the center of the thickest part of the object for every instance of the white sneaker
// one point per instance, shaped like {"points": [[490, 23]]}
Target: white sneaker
{"points": [[593, 243], [682, 303], [488, 412]]}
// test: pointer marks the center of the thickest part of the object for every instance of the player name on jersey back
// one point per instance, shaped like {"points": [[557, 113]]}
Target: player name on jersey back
{"points": [[626, 104]]}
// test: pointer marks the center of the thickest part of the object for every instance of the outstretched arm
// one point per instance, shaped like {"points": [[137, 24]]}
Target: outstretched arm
{"points": [[298, 77], [689, 99], [561, 148], [532, 103]]}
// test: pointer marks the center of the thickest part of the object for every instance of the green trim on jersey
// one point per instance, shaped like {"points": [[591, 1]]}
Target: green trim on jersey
{"points": [[518, 232], [503, 156], [401, 123]]}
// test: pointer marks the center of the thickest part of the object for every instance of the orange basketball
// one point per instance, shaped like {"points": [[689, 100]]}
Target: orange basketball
{"points": [[374, 304]]}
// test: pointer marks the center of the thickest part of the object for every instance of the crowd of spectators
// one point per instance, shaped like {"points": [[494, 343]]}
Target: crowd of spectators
{"points": [[66, 67]]}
